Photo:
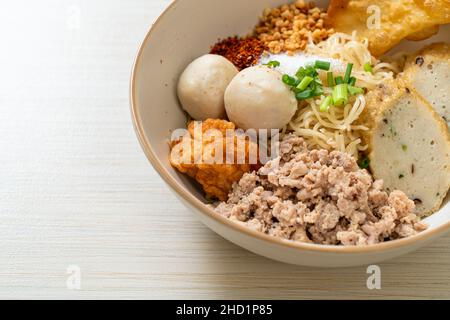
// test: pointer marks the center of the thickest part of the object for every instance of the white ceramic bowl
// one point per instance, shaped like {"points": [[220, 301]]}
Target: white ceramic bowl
{"points": [[185, 31]]}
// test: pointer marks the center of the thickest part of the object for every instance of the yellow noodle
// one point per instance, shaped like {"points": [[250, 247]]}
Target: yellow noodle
{"points": [[336, 129]]}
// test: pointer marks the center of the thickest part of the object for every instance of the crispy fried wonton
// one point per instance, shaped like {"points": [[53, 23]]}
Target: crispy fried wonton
{"points": [[398, 19]]}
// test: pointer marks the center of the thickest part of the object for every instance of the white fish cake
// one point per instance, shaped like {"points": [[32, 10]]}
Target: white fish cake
{"points": [[409, 146], [428, 73]]}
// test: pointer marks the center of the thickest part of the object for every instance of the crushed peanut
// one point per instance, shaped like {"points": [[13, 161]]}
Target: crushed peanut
{"points": [[287, 28]]}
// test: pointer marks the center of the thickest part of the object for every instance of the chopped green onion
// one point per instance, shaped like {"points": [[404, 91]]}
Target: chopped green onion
{"points": [[355, 90], [340, 94], [339, 80], [352, 81], [273, 64], [305, 94], [290, 81], [364, 163], [301, 72], [326, 104], [348, 73], [405, 147], [318, 91], [330, 79], [308, 71], [311, 71], [323, 65], [368, 67], [305, 83]]}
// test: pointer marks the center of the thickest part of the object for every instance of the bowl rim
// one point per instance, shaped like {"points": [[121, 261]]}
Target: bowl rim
{"points": [[205, 210]]}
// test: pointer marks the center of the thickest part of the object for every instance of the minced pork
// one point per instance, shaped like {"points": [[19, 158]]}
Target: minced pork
{"points": [[322, 197]]}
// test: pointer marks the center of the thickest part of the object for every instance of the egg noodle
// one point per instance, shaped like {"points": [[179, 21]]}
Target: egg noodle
{"points": [[337, 128]]}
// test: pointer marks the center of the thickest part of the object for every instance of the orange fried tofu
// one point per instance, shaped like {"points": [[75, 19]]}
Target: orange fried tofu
{"points": [[399, 19], [202, 154]]}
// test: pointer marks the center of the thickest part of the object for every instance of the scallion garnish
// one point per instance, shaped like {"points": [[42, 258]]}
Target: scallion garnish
{"points": [[290, 81], [301, 73], [318, 91], [330, 79], [340, 94], [311, 71], [352, 81], [325, 105], [339, 80], [364, 163], [348, 73], [305, 83], [308, 71], [355, 90], [273, 64], [323, 65], [306, 94], [368, 67]]}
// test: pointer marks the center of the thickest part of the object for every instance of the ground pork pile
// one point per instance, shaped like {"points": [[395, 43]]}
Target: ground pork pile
{"points": [[321, 197]]}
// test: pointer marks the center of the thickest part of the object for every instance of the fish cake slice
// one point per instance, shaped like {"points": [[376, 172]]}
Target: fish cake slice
{"points": [[428, 73], [409, 146]]}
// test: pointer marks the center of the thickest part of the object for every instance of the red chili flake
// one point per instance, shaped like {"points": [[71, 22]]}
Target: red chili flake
{"points": [[243, 53]]}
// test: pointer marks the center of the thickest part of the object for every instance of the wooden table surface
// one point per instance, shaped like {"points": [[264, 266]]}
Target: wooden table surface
{"points": [[76, 191]]}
